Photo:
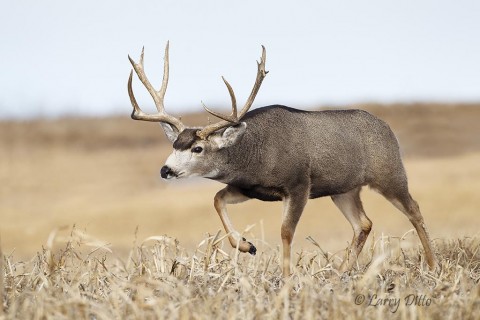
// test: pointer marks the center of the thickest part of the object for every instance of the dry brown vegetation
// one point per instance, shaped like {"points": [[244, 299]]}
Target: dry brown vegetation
{"points": [[160, 279], [102, 176]]}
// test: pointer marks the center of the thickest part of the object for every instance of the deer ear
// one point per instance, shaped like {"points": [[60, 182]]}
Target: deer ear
{"points": [[170, 132], [230, 136]]}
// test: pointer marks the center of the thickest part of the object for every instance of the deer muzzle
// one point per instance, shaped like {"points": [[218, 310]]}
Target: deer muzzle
{"points": [[166, 172]]}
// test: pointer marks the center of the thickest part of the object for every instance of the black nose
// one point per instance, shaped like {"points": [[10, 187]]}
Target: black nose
{"points": [[165, 171]]}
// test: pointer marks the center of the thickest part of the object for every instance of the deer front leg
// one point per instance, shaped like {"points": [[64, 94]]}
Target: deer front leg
{"points": [[292, 210], [231, 195]]}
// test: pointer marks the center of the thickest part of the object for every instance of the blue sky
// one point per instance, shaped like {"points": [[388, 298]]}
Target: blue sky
{"points": [[64, 57]]}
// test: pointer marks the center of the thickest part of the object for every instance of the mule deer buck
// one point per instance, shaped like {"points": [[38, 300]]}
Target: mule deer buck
{"points": [[277, 153]]}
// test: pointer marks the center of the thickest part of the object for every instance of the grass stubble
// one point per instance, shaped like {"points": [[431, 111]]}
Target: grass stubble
{"points": [[80, 277]]}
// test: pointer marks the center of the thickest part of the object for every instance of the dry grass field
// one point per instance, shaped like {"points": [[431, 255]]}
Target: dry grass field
{"points": [[89, 230]]}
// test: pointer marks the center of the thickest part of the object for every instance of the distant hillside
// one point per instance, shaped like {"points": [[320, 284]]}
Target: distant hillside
{"points": [[424, 130]]}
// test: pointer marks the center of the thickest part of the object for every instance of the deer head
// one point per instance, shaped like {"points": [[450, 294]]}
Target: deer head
{"points": [[197, 150]]}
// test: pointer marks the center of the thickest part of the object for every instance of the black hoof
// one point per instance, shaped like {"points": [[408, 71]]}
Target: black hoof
{"points": [[252, 249]]}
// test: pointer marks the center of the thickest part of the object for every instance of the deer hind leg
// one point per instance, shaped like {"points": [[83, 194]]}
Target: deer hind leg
{"points": [[231, 195], [351, 206], [405, 203]]}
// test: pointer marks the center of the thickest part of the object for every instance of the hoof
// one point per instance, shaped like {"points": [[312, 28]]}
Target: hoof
{"points": [[252, 249]]}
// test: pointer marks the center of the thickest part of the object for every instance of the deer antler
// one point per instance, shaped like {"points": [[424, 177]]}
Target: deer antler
{"points": [[234, 118], [158, 96]]}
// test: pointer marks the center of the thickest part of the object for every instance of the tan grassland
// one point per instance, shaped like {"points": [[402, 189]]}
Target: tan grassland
{"points": [[78, 197]]}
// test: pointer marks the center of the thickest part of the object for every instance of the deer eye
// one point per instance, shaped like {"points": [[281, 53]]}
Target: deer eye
{"points": [[197, 149]]}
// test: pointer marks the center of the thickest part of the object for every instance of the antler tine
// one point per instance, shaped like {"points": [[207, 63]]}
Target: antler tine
{"points": [[231, 118], [158, 96], [166, 64], [235, 118], [141, 56], [136, 108], [261, 73]]}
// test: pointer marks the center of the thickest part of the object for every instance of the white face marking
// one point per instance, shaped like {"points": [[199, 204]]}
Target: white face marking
{"points": [[185, 163], [180, 163]]}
